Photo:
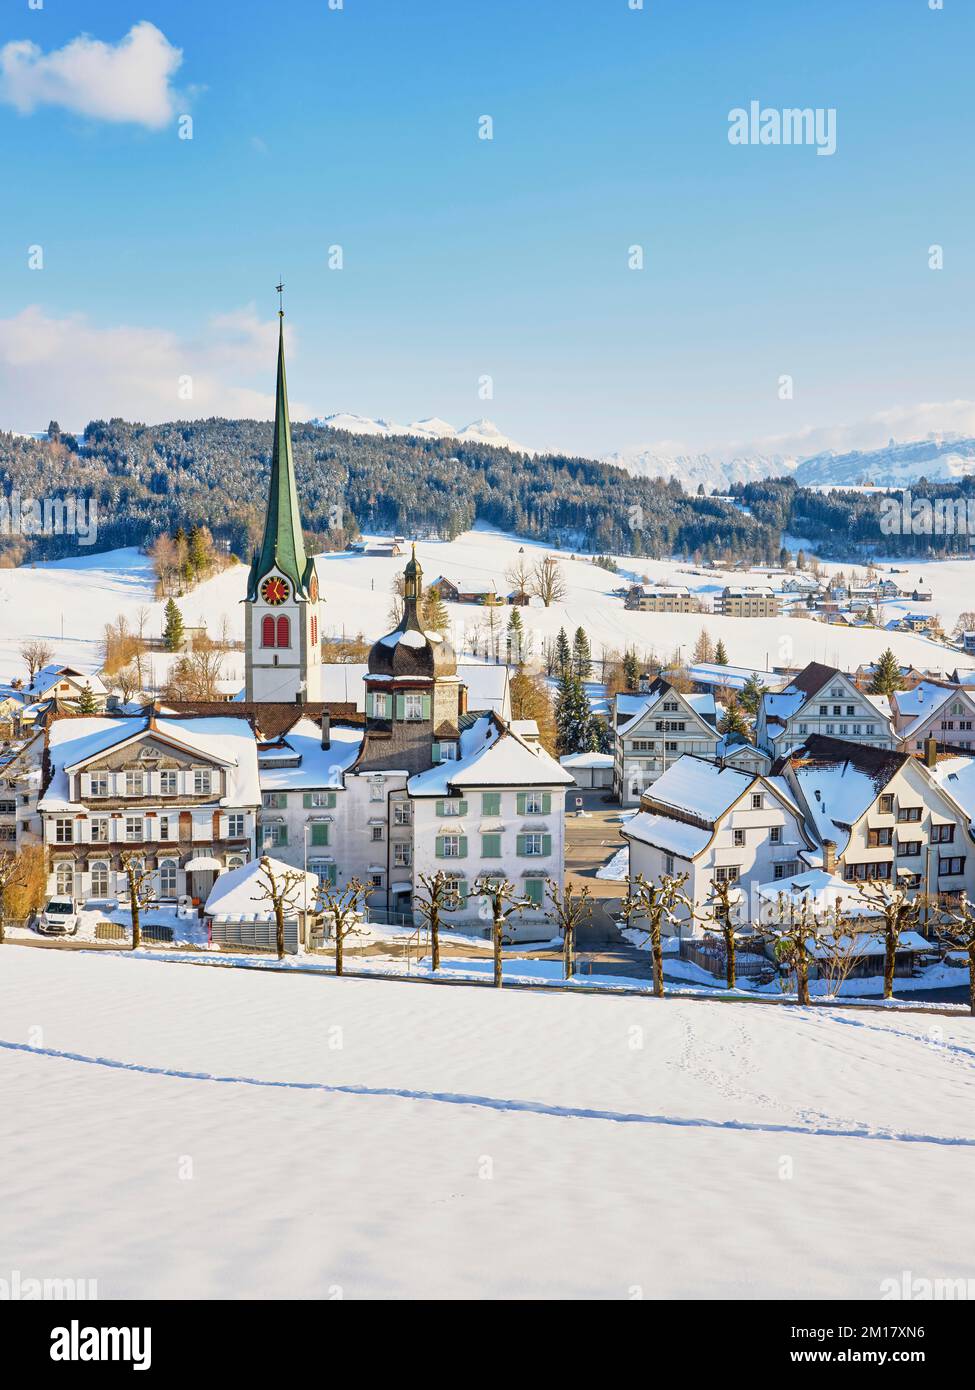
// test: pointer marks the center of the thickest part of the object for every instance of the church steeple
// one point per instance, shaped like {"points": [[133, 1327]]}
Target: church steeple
{"points": [[282, 647], [282, 547]]}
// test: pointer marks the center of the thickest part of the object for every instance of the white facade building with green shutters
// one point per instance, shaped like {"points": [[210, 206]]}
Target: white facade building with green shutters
{"points": [[496, 811]]}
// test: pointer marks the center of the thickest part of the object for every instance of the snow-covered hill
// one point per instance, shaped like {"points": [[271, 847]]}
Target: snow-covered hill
{"points": [[477, 432]]}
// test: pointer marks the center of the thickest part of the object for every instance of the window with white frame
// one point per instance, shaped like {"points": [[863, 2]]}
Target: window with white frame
{"points": [[168, 878], [402, 813], [756, 801], [534, 844], [63, 831], [99, 784], [377, 832], [134, 783], [133, 830], [64, 877], [202, 781], [162, 828], [412, 705], [739, 839], [99, 880], [168, 783], [99, 830], [727, 873], [451, 846], [402, 855], [534, 804], [235, 826]]}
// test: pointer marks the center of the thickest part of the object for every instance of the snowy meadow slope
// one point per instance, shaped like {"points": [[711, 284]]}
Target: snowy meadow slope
{"points": [[82, 594], [230, 1133]]}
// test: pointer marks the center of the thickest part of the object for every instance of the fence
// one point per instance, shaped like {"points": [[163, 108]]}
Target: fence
{"points": [[750, 961]]}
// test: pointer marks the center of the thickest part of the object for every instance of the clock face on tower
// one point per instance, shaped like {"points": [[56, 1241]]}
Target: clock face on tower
{"points": [[274, 591]]}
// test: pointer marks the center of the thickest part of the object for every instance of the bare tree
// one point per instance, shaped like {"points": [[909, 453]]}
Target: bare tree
{"points": [[721, 916], [12, 875], [957, 929], [342, 907], [35, 656], [139, 883], [571, 910], [282, 891], [548, 581], [900, 913], [126, 682], [437, 887], [658, 903], [504, 899], [519, 575]]}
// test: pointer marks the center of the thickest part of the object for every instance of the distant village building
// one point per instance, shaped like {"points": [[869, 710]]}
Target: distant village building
{"points": [[661, 599], [758, 601], [466, 591]]}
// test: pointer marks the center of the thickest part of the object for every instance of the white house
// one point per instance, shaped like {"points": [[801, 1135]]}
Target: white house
{"points": [[719, 824], [822, 700], [653, 729], [881, 815], [180, 795], [931, 709], [497, 811], [65, 684]]}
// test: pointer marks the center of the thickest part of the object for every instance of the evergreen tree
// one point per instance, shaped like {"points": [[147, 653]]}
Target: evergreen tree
{"points": [[173, 631], [581, 655], [434, 614], [563, 653], [87, 704], [573, 716], [720, 654], [516, 637], [631, 670], [886, 676], [735, 720], [751, 695]]}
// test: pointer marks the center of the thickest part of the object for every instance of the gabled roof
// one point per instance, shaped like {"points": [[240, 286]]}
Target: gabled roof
{"points": [[491, 755], [631, 706], [839, 781], [699, 787], [812, 679]]}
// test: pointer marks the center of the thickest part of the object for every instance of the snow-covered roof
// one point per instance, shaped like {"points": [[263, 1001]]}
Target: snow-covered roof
{"points": [[780, 708], [734, 677], [317, 766], [491, 756], [700, 787], [921, 702], [632, 706], [49, 676], [230, 741], [663, 832], [822, 890], [582, 760], [956, 776], [837, 794], [240, 893]]}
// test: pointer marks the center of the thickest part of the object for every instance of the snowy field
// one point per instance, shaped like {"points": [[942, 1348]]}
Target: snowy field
{"points": [[78, 596], [226, 1133]]}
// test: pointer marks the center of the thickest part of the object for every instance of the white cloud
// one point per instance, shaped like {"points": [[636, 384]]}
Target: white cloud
{"points": [[71, 371], [127, 81]]}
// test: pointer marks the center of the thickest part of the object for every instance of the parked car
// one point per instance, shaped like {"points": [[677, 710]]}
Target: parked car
{"points": [[59, 918]]}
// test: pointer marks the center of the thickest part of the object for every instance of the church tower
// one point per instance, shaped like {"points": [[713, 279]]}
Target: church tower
{"points": [[282, 645]]}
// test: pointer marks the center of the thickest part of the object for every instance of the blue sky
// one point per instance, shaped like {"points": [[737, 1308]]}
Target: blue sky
{"points": [[466, 258]]}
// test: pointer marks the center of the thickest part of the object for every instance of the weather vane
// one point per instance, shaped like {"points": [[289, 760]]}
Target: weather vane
{"points": [[280, 290]]}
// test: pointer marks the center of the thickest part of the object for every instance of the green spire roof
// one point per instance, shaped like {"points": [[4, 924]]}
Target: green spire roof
{"points": [[283, 547]]}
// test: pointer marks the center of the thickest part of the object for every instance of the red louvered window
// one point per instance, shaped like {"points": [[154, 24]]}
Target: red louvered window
{"points": [[284, 632], [267, 632]]}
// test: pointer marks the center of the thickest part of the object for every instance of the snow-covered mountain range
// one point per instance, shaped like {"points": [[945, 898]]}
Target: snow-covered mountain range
{"points": [[477, 432]]}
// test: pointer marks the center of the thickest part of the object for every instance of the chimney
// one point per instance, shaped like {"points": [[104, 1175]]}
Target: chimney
{"points": [[829, 856], [326, 729], [644, 681], [930, 752], [462, 700]]}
